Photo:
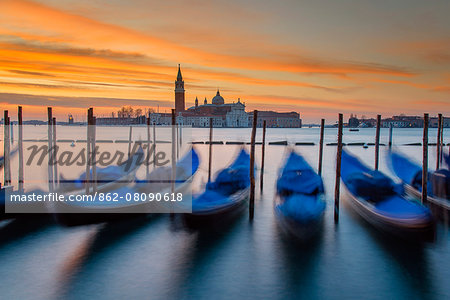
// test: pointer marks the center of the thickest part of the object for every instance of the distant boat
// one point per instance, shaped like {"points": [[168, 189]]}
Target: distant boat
{"points": [[72, 144], [379, 201], [299, 205], [353, 129], [438, 188], [365, 146], [225, 197]]}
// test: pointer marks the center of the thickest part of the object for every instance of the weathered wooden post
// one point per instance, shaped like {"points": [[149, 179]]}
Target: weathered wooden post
{"points": [[94, 153], [390, 135], [263, 148], [425, 159], [11, 127], [377, 142], [154, 145], [438, 142], [50, 149], [55, 153], [442, 140], [322, 129], [130, 140], [147, 165], [174, 142], [338, 170], [20, 120], [177, 140], [88, 151], [210, 148], [252, 166], [6, 150]]}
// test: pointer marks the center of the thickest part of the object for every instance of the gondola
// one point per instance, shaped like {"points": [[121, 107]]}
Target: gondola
{"points": [[438, 187], [225, 197], [125, 206], [299, 204], [379, 201]]}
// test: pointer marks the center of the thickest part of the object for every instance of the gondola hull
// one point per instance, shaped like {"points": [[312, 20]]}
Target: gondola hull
{"points": [[97, 214], [407, 171], [420, 229], [219, 215], [439, 207], [291, 227]]}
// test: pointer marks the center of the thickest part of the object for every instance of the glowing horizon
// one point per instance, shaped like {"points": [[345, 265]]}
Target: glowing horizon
{"points": [[317, 58]]}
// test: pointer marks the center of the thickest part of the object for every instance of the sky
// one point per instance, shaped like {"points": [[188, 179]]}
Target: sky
{"points": [[318, 58]]}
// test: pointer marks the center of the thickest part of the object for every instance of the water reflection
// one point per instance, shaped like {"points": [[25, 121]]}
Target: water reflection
{"points": [[99, 242], [20, 228]]}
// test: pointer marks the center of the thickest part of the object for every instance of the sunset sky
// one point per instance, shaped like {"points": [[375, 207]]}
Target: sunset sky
{"points": [[315, 57]]}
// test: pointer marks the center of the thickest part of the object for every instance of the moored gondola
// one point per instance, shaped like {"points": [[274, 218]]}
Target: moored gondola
{"points": [[122, 203], [438, 187], [299, 204], [225, 197], [379, 201]]}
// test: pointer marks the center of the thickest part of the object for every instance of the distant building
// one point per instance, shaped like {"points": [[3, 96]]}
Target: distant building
{"points": [[275, 119], [403, 122], [353, 121], [121, 121]]}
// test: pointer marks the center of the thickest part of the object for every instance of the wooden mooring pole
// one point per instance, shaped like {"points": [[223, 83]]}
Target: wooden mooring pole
{"points": [[20, 119], [210, 148], [438, 143], [425, 159], [154, 145], [377, 142], [263, 149], [338, 170], [55, 150], [130, 140], [6, 150], [94, 153], [322, 131], [174, 150], [147, 162], [88, 151], [390, 135], [50, 149], [252, 166]]}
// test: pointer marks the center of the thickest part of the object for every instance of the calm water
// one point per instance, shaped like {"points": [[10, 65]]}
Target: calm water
{"points": [[159, 259]]}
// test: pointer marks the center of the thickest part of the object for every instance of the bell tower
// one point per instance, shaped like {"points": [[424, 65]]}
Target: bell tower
{"points": [[179, 92]]}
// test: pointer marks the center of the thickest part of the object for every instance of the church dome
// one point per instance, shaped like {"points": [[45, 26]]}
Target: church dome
{"points": [[218, 100]]}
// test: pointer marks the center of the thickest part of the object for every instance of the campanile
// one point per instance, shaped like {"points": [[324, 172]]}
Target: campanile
{"points": [[179, 92]]}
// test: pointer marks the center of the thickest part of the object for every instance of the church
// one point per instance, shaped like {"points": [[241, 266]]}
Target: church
{"points": [[222, 114]]}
